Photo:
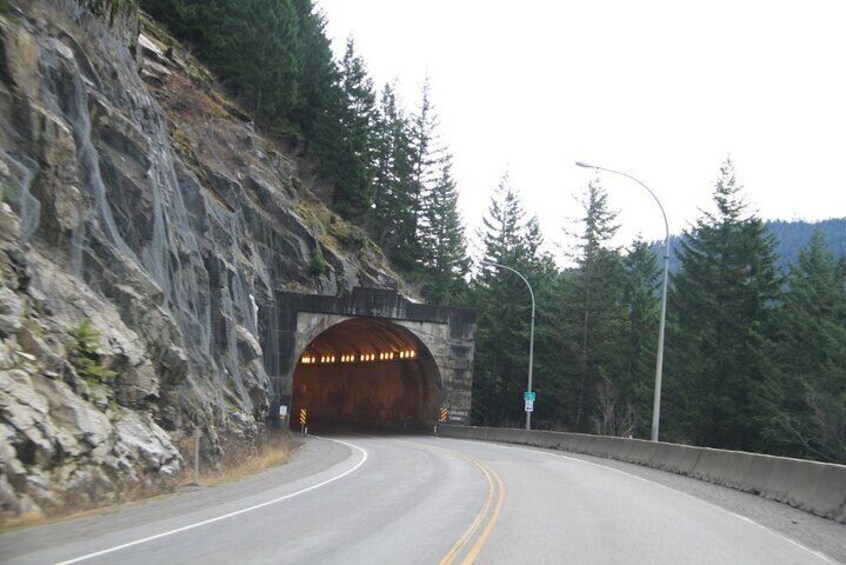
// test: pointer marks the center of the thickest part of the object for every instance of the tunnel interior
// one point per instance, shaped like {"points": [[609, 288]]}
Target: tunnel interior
{"points": [[366, 372]]}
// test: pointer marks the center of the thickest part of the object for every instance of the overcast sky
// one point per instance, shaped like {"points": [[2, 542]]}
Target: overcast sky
{"points": [[661, 90]]}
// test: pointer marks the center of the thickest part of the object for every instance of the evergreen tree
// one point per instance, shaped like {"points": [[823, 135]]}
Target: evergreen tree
{"points": [[394, 214], [504, 225], [192, 21], [555, 346], [352, 163], [426, 165], [597, 331], [445, 252], [722, 301], [261, 57], [415, 212], [809, 353], [503, 308], [427, 154], [642, 309], [319, 77], [596, 309], [254, 47]]}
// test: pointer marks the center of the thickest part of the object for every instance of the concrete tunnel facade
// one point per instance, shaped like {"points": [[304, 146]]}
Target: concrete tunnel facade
{"points": [[371, 358]]}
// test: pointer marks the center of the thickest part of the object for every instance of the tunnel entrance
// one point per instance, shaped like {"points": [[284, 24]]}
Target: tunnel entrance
{"points": [[366, 372]]}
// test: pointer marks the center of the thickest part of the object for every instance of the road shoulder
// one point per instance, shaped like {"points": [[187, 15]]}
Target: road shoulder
{"points": [[308, 463]]}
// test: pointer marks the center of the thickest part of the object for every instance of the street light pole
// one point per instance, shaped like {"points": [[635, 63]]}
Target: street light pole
{"points": [[531, 331], [659, 364]]}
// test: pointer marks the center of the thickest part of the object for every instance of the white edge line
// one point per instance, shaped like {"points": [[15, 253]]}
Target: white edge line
{"points": [[553, 453], [226, 516]]}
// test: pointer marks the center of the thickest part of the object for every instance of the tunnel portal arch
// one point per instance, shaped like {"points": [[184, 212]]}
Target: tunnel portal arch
{"points": [[369, 372], [333, 333]]}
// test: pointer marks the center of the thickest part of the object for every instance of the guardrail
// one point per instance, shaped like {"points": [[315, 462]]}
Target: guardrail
{"points": [[819, 488]]}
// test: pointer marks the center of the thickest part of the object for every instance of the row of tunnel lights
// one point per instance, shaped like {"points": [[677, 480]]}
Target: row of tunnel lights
{"points": [[364, 357]]}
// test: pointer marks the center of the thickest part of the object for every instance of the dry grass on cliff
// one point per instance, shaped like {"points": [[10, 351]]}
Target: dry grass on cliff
{"points": [[240, 459], [8, 523]]}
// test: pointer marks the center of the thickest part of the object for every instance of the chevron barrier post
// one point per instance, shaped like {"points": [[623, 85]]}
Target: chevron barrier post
{"points": [[303, 421]]}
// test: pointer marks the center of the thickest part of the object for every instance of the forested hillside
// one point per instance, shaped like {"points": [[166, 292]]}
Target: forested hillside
{"points": [[790, 236], [755, 355], [384, 164]]}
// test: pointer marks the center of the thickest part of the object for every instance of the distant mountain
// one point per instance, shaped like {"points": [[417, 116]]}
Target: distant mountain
{"points": [[791, 236]]}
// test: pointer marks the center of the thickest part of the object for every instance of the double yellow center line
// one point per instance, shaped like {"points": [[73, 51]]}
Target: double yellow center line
{"points": [[486, 519]]}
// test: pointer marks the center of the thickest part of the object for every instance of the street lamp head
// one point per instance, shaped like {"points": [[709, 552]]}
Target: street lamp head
{"points": [[585, 165]]}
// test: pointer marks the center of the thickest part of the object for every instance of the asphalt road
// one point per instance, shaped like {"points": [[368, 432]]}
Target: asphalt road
{"points": [[414, 499]]}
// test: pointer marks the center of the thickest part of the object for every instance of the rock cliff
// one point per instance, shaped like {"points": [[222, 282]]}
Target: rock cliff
{"points": [[144, 226]]}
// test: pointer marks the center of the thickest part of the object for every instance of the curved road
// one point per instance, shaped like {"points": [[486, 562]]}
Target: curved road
{"points": [[416, 499]]}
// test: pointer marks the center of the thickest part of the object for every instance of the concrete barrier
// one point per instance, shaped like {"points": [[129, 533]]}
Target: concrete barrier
{"points": [[581, 443], [728, 468], [827, 496], [679, 459], [611, 447], [796, 483], [818, 488], [642, 452]]}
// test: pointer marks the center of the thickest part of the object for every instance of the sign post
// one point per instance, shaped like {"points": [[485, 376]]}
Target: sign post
{"points": [[283, 415], [196, 456]]}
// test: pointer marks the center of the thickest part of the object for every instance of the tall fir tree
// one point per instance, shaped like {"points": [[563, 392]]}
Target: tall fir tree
{"points": [[352, 171], [722, 301], [596, 296], [263, 57], [445, 261], [425, 168], [555, 376], [809, 360], [504, 308], [642, 309], [394, 211], [426, 148], [319, 77]]}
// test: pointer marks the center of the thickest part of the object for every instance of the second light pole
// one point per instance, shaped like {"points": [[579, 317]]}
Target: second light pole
{"points": [[659, 363], [531, 332]]}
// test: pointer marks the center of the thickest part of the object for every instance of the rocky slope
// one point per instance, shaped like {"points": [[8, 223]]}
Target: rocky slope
{"points": [[144, 227]]}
